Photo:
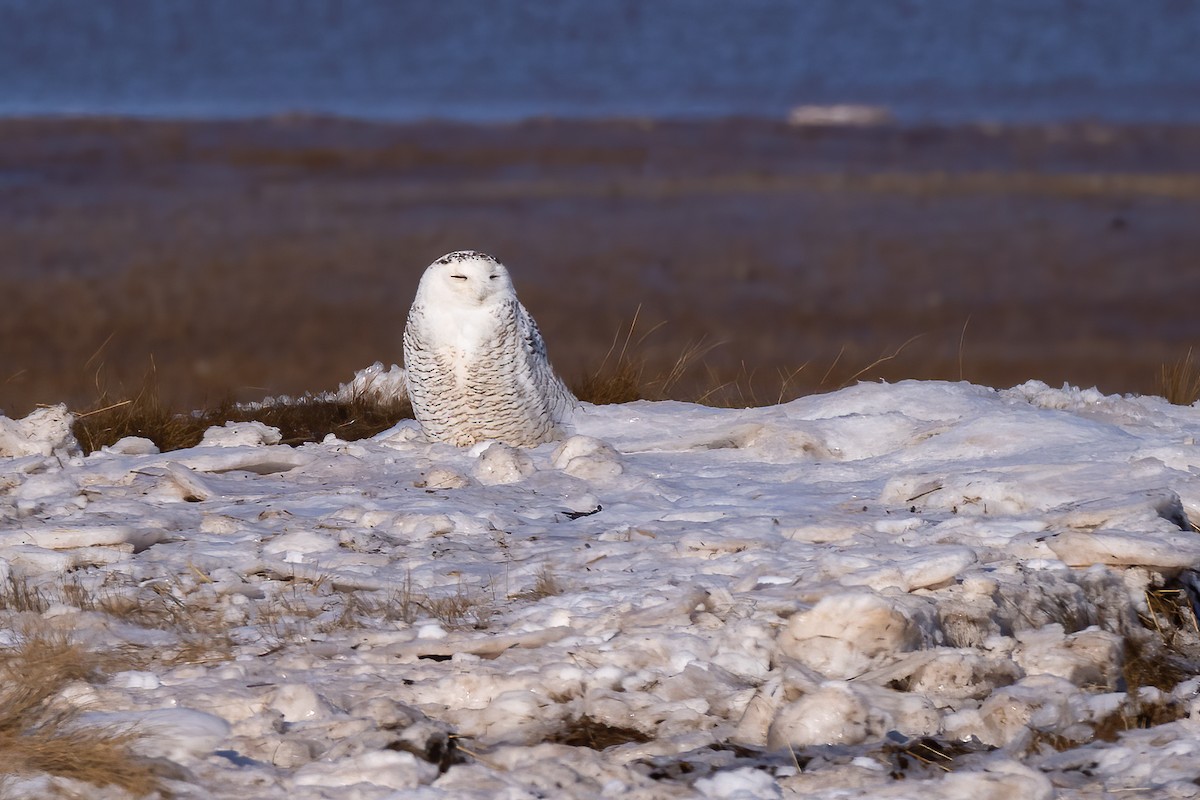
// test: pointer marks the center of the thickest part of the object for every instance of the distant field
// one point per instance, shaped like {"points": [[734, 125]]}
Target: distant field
{"points": [[258, 258]]}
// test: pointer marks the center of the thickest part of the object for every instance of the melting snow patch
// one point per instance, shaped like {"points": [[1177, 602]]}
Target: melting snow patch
{"points": [[923, 589]]}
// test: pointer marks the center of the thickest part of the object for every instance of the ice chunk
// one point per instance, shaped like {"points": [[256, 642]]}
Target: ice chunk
{"points": [[132, 446], [950, 675], [443, 478], [915, 569], [1164, 549], [833, 714], [387, 768], [61, 537], [1090, 657], [746, 783], [241, 434], [375, 383], [140, 680], [192, 488], [587, 458], [260, 460], [177, 734], [1042, 703], [515, 716], [298, 702], [43, 432], [501, 464], [303, 542], [291, 752], [844, 635]]}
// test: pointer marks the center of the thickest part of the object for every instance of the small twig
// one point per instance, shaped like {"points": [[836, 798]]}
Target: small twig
{"points": [[795, 760], [936, 752], [785, 379], [922, 494], [199, 573], [102, 410], [962, 338], [1153, 612], [838, 358], [99, 350], [487, 762]]}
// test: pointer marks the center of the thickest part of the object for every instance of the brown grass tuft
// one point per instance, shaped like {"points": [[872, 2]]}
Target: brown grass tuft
{"points": [[37, 734], [17, 594], [306, 419], [1169, 657], [312, 419], [622, 374], [585, 731], [463, 609], [616, 380], [546, 585], [1180, 382], [142, 415]]}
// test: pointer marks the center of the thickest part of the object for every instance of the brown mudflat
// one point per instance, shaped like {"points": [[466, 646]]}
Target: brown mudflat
{"points": [[245, 259]]}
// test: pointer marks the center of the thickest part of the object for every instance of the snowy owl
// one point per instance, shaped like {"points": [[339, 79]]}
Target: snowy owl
{"points": [[477, 365]]}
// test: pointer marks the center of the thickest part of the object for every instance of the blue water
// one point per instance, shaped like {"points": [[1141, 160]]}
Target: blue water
{"points": [[488, 60]]}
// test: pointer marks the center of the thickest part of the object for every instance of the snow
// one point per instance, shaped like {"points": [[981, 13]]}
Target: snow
{"points": [[763, 603]]}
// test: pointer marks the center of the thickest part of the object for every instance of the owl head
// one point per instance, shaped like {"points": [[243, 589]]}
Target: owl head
{"points": [[465, 278]]}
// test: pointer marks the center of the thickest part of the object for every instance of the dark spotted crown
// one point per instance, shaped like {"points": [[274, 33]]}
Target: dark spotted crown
{"points": [[460, 255]]}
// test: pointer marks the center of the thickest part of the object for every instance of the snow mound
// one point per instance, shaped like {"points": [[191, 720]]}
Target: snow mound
{"points": [[241, 434], [43, 432]]}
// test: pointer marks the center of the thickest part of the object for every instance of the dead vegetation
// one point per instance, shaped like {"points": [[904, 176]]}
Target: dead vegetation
{"points": [[584, 731], [1156, 662], [1180, 381], [624, 375], [19, 595], [546, 585], [304, 419], [37, 730], [462, 608], [202, 634]]}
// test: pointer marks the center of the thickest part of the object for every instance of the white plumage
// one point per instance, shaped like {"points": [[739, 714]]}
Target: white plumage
{"points": [[476, 364]]}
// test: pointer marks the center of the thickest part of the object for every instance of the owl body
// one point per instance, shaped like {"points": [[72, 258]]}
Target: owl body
{"points": [[476, 363]]}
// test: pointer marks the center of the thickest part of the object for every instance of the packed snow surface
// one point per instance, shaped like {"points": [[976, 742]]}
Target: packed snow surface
{"points": [[676, 601]]}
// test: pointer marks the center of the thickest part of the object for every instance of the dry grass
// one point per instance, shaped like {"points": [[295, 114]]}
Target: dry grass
{"points": [[1161, 659], [203, 633], [1180, 382], [546, 585], [312, 419], [620, 378], [36, 732], [143, 415], [1170, 655], [19, 595], [462, 609], [585, 731], [292, 616], [624, 375], [307, 419]]}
